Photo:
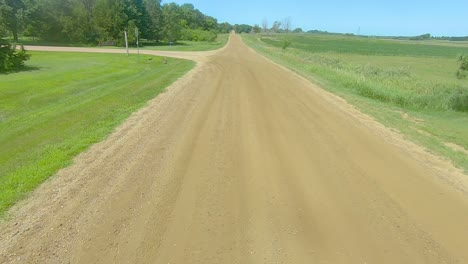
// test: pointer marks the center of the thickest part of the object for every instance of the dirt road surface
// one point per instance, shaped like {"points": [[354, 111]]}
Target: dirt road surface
{"points": [[242, 161]]}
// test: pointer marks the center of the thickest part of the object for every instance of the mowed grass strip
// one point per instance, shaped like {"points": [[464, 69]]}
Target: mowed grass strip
{"points": [[64, 103], [407, 85], [185, 45]]}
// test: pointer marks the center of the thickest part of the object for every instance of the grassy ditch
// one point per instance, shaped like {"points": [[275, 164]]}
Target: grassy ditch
{"points": [[63, 103], [405, 85]]}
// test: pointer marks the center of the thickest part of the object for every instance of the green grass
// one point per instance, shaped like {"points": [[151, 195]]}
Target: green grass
{"points": [[387, 79], [220, 41], [63, 103]]}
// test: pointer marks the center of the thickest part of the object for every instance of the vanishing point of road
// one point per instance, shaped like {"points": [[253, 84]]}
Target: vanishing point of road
{"points": [[242, 161]]}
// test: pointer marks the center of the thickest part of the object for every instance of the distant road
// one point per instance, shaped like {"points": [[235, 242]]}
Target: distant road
{"points": [[242, 161]]}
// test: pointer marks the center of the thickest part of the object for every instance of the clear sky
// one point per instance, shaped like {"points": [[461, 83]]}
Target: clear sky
{"points": [[392, 17]]}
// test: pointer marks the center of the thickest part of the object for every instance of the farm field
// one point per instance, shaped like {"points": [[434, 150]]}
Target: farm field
{"points": [[406, 85], [63, 103]]}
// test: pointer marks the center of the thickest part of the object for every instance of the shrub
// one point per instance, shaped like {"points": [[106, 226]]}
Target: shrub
{"points": [[198, 35], [285, 44], [459, 100], [11, 59], [463, 69]]}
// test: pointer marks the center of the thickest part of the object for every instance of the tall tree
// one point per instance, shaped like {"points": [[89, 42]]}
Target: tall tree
{"points": [[110, 18], [77, 21], [136, 13], [243, 28], [52, 20], [86, 8], [287, 24], [256, 29], [12, 15], [276, 27], [172, 27], [154, 12], [265, 25], [210, 23], [224, 27]]}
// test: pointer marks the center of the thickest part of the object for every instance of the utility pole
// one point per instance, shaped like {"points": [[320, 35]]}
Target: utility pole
{"points": [[126, 42], [138, 47]]}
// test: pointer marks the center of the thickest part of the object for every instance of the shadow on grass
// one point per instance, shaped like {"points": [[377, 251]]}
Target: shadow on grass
{"points": [[22, 69], [37, 42], [162, 44]]}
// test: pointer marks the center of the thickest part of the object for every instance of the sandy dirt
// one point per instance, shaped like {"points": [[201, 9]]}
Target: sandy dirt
{"points": [[242, 161]]}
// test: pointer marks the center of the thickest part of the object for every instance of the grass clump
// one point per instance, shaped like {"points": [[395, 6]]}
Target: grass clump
{"points": [[285, 44], [459, 100]]}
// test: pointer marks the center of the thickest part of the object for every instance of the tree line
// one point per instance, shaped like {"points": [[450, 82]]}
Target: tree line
{"points": [[284, 26], [95, 21]]}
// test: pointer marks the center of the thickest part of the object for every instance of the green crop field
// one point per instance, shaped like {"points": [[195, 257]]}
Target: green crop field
{"points": [[63, 103], [407, 85], [368, 46]]}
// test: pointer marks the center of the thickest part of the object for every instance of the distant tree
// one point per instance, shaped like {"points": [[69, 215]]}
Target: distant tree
{"points": [[172, 23], [242, 28], [154, 12], [210, 23], [190, 22], [276, 27], [458, 38], [315, 31], [12, 16], [225, 27], [287, 24], [53, 20], [256, 29], [137, 14], [298, 30], [90, 34], [426, 36], [422, 37], [111, 18], [265, 25], [92, 21], [75, 21]]}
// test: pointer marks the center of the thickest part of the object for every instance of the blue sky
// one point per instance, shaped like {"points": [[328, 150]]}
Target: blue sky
{"points": [[393, 17]]}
